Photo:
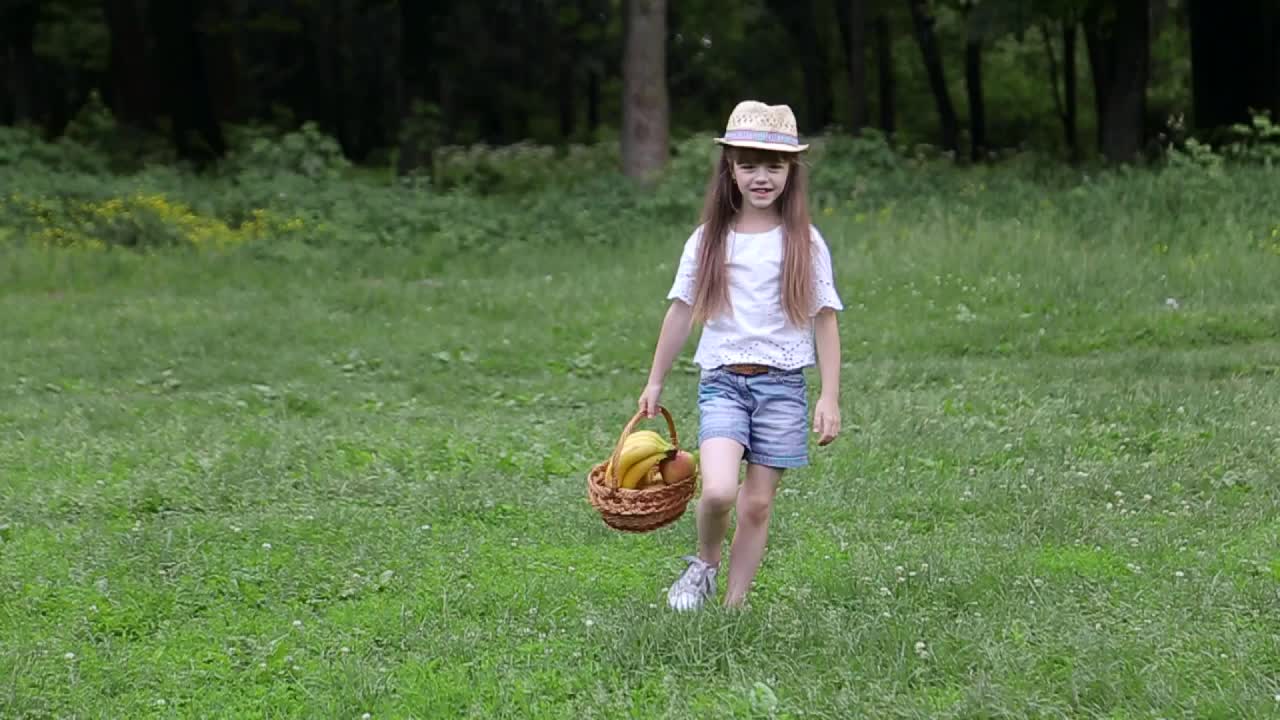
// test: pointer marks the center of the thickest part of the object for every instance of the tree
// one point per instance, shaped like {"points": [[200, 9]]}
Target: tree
{"points": [[799, 18], [1065, 100], [17, 52], [886, 84], [1118, 41], [853, 32], [183, 63], [1235, 60], [130, 77], [645, 111], [923, 21], [977, 26], [419, 86]]}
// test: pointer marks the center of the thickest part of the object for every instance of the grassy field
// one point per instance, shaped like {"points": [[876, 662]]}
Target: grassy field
{"points": [[321, 482]]}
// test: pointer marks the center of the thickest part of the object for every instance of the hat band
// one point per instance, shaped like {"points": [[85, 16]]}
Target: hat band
{"points": [[762, 136]]}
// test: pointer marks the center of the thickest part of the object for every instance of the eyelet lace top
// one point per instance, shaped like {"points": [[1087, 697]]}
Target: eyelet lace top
{"points": [[756, 330]]}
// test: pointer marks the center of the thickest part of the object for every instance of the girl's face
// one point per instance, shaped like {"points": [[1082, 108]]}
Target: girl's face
{"points": [[760, 178]]}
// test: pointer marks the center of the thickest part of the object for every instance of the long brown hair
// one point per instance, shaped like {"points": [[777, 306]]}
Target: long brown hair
{"points": [[723, 201]]}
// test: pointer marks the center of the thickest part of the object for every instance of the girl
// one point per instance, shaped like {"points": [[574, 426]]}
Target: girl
{"points": [[758, 277]]}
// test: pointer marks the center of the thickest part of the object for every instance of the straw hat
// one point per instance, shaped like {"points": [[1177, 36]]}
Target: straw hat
{"points": [[766, 127]]}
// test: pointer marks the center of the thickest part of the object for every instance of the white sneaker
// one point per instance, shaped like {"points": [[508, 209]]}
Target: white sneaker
{"points": [[696, 585]]}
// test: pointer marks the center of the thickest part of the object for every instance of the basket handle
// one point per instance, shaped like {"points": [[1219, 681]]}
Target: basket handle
{"points": [[635, 420]]}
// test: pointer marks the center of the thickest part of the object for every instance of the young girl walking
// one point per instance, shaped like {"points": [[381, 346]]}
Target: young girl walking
{"points": [[757, 275]]}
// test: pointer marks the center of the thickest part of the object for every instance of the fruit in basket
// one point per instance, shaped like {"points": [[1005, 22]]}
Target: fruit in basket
{"points": [[678, 467], [652, 478], [637, 473], [640, 451]]}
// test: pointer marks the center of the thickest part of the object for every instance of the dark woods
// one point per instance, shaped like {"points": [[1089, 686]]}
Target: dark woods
{"points": [[408, 76]]}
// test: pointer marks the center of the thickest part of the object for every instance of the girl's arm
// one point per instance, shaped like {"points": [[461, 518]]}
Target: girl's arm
{"points": [[826, 414], [675, 331]]}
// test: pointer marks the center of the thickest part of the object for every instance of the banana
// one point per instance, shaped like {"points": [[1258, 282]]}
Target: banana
{"points": [[641, 468], [636, 447]]}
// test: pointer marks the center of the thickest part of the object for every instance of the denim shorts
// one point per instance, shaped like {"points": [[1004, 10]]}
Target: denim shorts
{"points": [[767, 414]]}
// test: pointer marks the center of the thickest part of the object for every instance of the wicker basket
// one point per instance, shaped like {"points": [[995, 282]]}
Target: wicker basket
{"points": [[642, 509]]}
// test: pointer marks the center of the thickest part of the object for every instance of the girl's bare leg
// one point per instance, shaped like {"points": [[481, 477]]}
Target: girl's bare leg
{"points": [[718, 461], [755, 506]]}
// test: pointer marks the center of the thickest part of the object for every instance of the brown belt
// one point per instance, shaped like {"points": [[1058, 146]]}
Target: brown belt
{"points": [[747, 369]]}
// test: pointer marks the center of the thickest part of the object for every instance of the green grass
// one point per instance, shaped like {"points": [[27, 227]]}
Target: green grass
{"points": [[307, 482]]}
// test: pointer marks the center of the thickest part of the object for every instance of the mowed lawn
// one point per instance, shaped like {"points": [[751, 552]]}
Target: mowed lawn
{"points": [[330, 483]]}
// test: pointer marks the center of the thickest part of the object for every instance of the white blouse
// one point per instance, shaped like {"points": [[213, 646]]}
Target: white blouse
{"points": [[757, 330]]}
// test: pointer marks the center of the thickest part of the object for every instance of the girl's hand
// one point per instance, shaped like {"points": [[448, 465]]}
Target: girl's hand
{"points": [[826, 419], [649, 400]]}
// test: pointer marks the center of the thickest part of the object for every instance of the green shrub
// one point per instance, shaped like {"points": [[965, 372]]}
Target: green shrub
{"points": [[257, 152], [135, 221], [491, 200], [24, 151], [519, 168]]}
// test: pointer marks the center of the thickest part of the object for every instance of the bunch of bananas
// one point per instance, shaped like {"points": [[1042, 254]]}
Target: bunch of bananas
{"points": [[648, 459]]}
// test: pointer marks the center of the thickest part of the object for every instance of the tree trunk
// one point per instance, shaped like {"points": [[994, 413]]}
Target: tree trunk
{"points": [[1119, 52], [1235, 60], [593, 101], [17, 44], [644, 90], [129, 99], [886, 85], [419, 24], [973, 89], [1064, 102], [1070, 102], [595, 59], [932, 56], [567, 50], [799, 19], [852, 15], [817, 79], [197, 134], [222, 71]]}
